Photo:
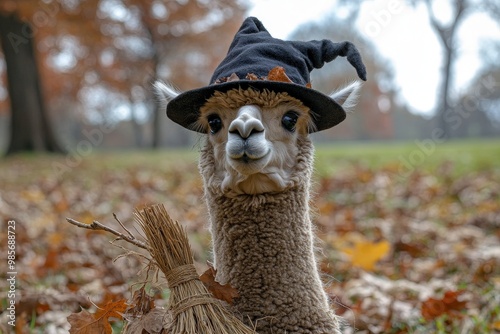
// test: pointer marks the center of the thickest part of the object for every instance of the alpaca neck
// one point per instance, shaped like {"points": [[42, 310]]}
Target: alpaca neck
{"points": [[263, 246]]}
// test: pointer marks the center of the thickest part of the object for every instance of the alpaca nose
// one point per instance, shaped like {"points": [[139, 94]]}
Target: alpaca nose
{"points": [[247, 122]]}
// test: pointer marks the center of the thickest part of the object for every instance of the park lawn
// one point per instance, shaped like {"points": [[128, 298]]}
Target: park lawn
{"points": [[465, 155], [409, 231]]}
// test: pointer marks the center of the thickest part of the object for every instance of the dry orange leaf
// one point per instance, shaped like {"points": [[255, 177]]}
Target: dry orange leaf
{"points": [[51, 260], [365, 254], [449, 304], [84, 322], [496, 325], [278, 74], [222, 292], [113, 309]]}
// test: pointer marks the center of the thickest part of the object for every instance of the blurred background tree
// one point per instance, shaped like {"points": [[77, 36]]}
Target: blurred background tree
{"points": [[447, 34], [376, 103], [449, 113], [32, 130], [96, 61]]}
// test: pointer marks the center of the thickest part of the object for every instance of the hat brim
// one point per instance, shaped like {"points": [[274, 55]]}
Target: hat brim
{"points": [[326, 113]]}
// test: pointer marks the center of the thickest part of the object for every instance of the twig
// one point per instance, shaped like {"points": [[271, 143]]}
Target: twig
{"points": [[123, 226], [96, 226]]}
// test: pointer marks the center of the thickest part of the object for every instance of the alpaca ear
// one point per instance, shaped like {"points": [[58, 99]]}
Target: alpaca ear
{"points": [[347, 96], [165, 92]]}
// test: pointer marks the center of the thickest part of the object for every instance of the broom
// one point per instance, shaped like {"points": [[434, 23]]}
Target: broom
{"points": [[194, 310]]}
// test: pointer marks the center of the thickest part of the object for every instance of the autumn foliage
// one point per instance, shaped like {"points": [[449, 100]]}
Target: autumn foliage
{"points": [[412, 254], [87, 323], [450, 304]]}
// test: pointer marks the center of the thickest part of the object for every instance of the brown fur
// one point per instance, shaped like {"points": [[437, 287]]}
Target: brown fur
{"points": [[238, 97], [263, 246], [226, 103]]}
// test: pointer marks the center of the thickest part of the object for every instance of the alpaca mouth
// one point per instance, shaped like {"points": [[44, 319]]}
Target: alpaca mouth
{"points": [[248, 158], [248, 164]]}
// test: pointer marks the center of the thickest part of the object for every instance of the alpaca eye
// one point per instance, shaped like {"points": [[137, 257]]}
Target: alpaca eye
{"points": [[215, 123], [289, 120]]}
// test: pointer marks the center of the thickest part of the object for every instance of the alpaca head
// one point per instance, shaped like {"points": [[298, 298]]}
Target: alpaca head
{"points": [[254, 136], [260, 106]]}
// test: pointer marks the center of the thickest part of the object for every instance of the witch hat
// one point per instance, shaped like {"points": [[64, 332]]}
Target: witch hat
{"points": [[257, 60]]}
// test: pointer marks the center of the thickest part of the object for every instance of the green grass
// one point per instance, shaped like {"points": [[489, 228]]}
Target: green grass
{"points": [[465, 156], [401, 157]]}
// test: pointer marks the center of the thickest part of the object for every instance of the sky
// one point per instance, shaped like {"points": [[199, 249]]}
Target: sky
{"points": [[401, 34]]}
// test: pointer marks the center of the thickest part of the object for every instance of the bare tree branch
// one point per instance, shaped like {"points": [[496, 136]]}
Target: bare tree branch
{"points": [[446, 33], [96, 226], [123, 226], [492, 7]]}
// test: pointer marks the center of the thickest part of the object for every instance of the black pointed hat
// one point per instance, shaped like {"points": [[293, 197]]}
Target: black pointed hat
{"points": [[257, 60]]}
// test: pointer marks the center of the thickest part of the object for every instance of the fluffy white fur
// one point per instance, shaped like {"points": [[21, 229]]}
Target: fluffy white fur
{"points": [[348, 95], [165, 92]]}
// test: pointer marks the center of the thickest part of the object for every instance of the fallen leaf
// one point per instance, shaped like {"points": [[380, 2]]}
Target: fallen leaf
{"points": [[88, 323], [141, 303], [50, 264], [496, 325], [84, 322], [365, 254], [413, 249], [222, 292], [151, 322], [113, 309], [449, 304]]}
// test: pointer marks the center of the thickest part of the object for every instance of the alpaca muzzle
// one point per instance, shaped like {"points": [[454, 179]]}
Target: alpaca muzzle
{"points": [[246, 138]]}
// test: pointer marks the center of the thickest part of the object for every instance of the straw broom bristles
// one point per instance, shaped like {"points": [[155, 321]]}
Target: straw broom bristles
{"points": [[194, 309]]}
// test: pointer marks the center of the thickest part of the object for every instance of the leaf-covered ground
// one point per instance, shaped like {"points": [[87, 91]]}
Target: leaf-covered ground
{"points": [[409, 236]]}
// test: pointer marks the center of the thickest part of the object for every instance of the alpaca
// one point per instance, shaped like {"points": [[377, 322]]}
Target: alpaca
{"points": [[256, 164]]}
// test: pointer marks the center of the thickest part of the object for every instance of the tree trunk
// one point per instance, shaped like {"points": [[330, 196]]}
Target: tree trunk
{"points": [[445, 107], [30, 127], [136, 126], [157, 112], [447, 35]]}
